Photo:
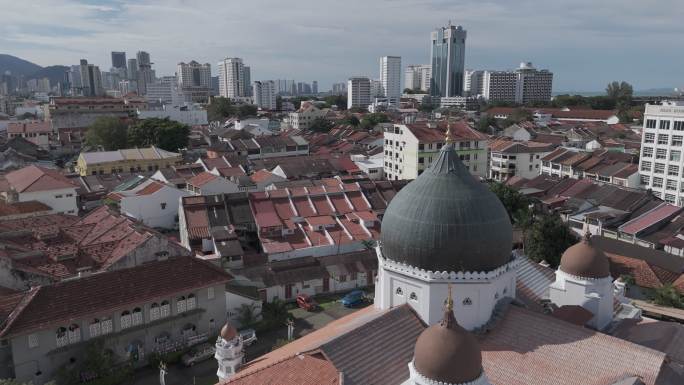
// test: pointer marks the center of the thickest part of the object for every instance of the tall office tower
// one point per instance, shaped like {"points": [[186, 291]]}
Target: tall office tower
{"points": [[91, 79], [358, 92], [265, 94], [145, 74], [132, 69], [314, 87], [472, 83], [339, 88], [532, 85], [247, 81], [412, 77], [499, 86], [214, 86], [448, 61], [118, 59], [376, 89], [390, 77], [231, 77], [74, 80], [194, 81]]}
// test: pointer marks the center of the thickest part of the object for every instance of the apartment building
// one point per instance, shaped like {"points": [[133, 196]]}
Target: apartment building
{"points": [[523, 85], [358, 92], [602, 166], [194, 81], [662, 143], [411, 148], [132, 160], [50, 187], [302, 118], [265, 94], [233, 78], [67, 112], [508, 158]]}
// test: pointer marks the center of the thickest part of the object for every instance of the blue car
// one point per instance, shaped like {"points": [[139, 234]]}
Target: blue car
{"points": [[353, 298]]}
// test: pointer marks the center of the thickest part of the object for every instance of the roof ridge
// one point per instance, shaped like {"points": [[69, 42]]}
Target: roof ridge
{"points": [[18, 310]]}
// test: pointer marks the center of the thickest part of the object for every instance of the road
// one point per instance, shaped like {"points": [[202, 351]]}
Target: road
{"points": [[204, 373]]}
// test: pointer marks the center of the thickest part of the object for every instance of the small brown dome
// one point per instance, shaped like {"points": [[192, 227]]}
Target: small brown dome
{"points": [[228, 332], [447, 353], [585, 260]]}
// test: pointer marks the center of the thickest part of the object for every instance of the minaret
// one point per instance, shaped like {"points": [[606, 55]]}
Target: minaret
{"points": [[229, 352], [447, 354], [583, 279]]}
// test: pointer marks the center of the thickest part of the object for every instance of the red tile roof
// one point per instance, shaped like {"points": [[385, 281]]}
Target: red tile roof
{"points": [[33, 126], [201, 179], [19, 208], [261, 176], [36, 178], [150, 189], [68, 301], [301, 369], [650, 218]]}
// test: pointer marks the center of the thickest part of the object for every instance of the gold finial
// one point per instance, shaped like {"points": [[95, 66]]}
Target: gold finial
{"points": [[587, 236], [450, 300], [449, 320], [449, 135]]}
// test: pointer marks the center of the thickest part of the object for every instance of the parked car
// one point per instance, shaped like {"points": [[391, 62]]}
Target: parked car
{"points": [[248, 336], [306, 302], [198, 354], [353, 298]]}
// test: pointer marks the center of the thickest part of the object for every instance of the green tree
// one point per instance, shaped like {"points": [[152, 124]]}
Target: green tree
{"points": [[245, 110], [485, 122], [351, 120], [336, 100], [321, 125], [512, 200], [619, 90], [164, 133], [667, 295], [547, 239], [523, 220], [275, 313], [107, 132], [246, 314], [220, 109], [370, 120]]}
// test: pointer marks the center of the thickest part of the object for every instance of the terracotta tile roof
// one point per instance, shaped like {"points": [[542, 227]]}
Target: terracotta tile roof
{"points": [[261, 176], [36, 178], [34, 126], [68, 301], [574, 314], [201, 179], [650, 218], [150, 189], [301, 369], [527, 348], [18, 208]]}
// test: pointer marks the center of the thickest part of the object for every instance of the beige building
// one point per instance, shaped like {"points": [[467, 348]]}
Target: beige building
{"points": [[128, 160]]}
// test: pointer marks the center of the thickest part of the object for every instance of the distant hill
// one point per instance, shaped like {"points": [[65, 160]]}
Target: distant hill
{"points": [[54, 73], [17, 66]]}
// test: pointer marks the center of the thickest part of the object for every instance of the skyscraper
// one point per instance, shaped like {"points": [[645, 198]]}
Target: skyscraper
{"points": [[194, 81], [472, 83], [390, 77], [132, 69], [91, 79], [118, 59], [417, 77], [247, 81], [358, 92], [231, 72], [265, 94], [145, 74], [314, 87], [447, 55]]}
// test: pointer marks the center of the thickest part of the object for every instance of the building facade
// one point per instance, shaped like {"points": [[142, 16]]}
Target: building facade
{"points": [[447, 53], [473, 83], [524, 85], [499, 86], [145, 74], [358, 92], [231, 72], [390, 77], [132, 160], [194, 81], [662, 143], [417, 77], [265, 95], [91, 79], [509, 158]]}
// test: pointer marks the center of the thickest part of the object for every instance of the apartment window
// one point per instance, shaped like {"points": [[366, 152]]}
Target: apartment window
{"points": [[137, 317], [664, 124], [163, 205], [165, 309], [647, 152], [669, 198], [69, 195], [646, 166], [645, 179], [657, 182], [681, 187], [126, 319], [181, 305], [649, 137], [154, 311], [661, 153], [191, 302], [421, 147], [659, 168], [210, 293], [61, 336], [662, 139], [677, 140], [671, 185], [678, 126], [74, 333], [107, 325], [673, 170], [58, 196], [675, 155], [32, 340], [650, 123], [421, 160]]}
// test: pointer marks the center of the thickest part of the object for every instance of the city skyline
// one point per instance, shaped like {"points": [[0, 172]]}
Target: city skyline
{"points": [[580, 44]]}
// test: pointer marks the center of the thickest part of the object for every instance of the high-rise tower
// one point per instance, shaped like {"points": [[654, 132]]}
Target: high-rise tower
{"points": [[447, 54]]}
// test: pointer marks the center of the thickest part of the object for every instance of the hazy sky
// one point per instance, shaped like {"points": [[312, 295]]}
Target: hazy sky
{"points": [[586, 43]]}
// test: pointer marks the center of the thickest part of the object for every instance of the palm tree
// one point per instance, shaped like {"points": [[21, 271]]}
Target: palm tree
{"points": [[523, 218]]}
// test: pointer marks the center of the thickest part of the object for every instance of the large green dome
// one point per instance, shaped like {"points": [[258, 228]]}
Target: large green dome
{"points": [[446, 220]]}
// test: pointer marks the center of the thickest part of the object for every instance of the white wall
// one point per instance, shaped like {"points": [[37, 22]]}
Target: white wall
{"points": [[148, 208], [595, 295], [61, 201]]}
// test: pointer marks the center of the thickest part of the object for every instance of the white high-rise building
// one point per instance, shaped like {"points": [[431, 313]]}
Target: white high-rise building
{"points": [[358, 92], [417, 77], [472, 83], [231, 72], [390, 77], [524, 85], [662, 144], [499, 86], [265, 94], [194, 81]]}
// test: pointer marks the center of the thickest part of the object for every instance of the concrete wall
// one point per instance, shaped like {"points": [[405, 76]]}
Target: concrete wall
{"points": [[66, 203], [19, 280], [148, 208]]}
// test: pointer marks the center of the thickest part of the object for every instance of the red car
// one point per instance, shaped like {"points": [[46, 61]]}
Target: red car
{"points": [[306, 302]]}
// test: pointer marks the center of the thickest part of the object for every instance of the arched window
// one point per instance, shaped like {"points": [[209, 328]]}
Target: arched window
{"points": [[74, 333], [399, 291], [95, 328], [126, 319], [181, 304], [165, 309], [467, 301], [191, 302], [154, 311], [137, 316], [62, 338], [413, 296], [107, 325]]}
